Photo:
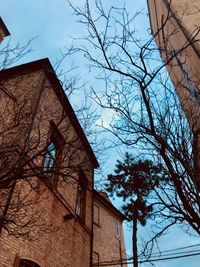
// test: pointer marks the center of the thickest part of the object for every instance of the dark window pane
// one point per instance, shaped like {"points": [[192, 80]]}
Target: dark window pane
{"points": [[81, 196], [79, 201], [27, 263], [50, 157]]}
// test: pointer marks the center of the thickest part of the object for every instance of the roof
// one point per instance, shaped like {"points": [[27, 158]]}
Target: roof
{"points": [[103, 198], [45, 65], [4, 28]]}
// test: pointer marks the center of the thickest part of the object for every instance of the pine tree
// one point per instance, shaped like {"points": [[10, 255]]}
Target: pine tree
{"points": [[134, 181]]}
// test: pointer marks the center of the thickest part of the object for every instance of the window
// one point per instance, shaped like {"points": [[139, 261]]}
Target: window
{"points": [[117, 230], [81, 196], [53, 154], [27, 263], [7, 113], [79, 204], [96, 214], [50, 157], [95, 257]]}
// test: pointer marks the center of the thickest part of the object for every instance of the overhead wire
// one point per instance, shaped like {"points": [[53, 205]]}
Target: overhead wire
{"points": [[154, 258], [175, 249], [146, 261]]}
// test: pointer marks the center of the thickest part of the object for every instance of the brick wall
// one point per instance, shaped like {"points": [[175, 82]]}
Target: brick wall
{"points": [[106, 242], [68, 242]]}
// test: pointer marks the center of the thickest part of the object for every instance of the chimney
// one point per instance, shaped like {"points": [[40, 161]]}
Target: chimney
{"points": [[3, 30]]}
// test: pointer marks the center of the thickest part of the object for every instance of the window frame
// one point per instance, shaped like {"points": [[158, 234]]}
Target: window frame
{"points": [[28, 263], [56, 138], [117, 229], [98, 215], [98, 258], [81, 195], [49, 158]]}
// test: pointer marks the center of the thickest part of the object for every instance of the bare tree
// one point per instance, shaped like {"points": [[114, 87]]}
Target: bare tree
{"points": [[147, 115], [11, 54], [38, 142]]}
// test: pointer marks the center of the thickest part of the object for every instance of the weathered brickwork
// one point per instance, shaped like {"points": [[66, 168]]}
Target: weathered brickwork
{"points": [[61, 235], [108, 240], [175, 25], [38, 104], [3, 30]]}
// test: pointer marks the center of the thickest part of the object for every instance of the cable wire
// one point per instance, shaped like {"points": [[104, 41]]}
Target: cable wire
{"points": [[153, 256], [149, 260]]}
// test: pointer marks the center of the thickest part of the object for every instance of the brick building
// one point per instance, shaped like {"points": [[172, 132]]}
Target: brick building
{"points": [[3, 30], [43, 144], [175, 25], [108, 243], [52, 213]]}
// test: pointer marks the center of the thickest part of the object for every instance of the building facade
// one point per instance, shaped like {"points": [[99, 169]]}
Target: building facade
{"points": [[50, 216], [3, 30], [46, 174], [108, 243], [175, 25]]}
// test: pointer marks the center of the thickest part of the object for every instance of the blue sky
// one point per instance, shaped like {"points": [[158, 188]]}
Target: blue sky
{"points": [[53, 24]]}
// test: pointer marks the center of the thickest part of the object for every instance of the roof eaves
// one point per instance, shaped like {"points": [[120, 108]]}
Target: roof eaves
{"points": [[72, 116], [45, 65], [4, 28], [109, 205]]}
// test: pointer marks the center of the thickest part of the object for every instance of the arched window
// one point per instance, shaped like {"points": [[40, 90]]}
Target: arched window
{"points": [[27, 263]]}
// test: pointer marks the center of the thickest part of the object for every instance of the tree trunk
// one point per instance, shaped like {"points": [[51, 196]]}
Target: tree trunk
{"points": [[134, 238]]}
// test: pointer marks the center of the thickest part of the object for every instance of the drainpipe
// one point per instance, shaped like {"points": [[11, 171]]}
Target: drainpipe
{"points": [[92, 233], [120, 252]]}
